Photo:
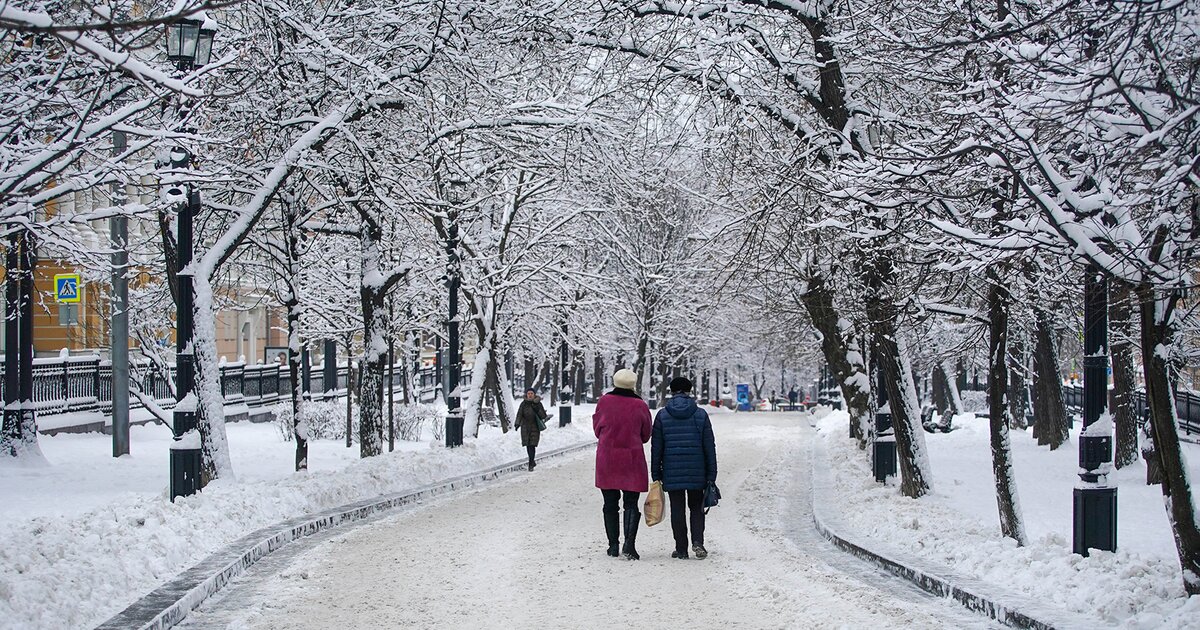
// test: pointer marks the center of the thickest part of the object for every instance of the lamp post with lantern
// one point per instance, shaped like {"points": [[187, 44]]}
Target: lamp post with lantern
{"points": [[189, 46]]}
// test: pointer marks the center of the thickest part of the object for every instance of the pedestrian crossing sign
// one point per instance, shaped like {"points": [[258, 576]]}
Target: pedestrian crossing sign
{"points": [[67, 287]]}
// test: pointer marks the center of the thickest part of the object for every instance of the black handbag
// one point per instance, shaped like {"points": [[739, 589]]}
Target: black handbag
{"points": [[712, 495]]}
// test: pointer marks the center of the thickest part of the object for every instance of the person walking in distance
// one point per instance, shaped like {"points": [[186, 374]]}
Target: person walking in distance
{"points": [[531, 421], [683, 456], [622, 426]]}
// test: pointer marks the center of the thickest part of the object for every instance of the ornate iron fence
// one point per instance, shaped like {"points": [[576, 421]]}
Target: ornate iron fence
{"points": [[1187, 406], [84, 383]]}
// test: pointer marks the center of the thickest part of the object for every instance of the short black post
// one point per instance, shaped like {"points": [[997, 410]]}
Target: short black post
{"points": [[1094, 500], [883, 446]]}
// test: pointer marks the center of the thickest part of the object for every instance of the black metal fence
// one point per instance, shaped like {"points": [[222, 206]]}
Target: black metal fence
{"points": [[84, 383], [1187, 406]]}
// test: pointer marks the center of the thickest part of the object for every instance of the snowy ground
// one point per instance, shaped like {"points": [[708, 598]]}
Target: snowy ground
{"points": [[528, 552], [1139, 586], [85, 534]]}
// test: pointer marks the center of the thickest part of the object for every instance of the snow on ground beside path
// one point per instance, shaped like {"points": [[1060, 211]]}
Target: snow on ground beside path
{"points": [[87, 534], [1138, 586]]}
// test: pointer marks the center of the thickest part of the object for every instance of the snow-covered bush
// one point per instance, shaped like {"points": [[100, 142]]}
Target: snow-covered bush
{"points": [[411, 419], [320, 420]]}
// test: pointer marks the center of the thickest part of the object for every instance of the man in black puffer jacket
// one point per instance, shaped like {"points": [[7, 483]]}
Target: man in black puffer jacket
{"points": [[683, 456]]}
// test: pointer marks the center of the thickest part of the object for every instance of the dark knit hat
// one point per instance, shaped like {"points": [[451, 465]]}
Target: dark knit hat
{"points": [[680, 385]]}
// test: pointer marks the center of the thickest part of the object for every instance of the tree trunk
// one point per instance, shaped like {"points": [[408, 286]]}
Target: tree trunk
{"points": [[953, 396], [1011, 524], [1125, 421], [1050, 412], [295, 356], [915, 476], [505, 406], [210, 412], [1154, 471], [1018, 390], [843, 359], [641, 358], [937, 382], [291, 303], [598, 379], [1158, 338], [374, 361], [539, 383]]}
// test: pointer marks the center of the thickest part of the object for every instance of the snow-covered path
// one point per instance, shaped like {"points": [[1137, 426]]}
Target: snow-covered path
{"points": [[528, 552]]}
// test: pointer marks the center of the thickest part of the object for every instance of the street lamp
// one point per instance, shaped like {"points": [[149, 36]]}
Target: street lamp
{"points": [[189, 43], [189, 46], [454, 414], [564, 389], [1094, 497]]}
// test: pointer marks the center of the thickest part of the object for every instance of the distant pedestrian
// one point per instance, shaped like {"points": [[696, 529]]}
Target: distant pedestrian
{"points": [[622, 426], [793, 398], [531, 421], [683, 455]]}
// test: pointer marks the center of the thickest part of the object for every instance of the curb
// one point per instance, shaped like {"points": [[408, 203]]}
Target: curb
{"points": [[1012, 610], [170, 603]]}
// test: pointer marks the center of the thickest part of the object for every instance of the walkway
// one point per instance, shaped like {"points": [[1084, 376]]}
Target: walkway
{"points": [[528, 552]]}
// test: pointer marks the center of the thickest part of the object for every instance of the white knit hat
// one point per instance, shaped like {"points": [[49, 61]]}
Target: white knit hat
{"points": [[625, 379]]}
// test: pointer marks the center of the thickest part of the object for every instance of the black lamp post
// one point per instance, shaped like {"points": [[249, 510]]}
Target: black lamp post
{"points": [[564, 385], [20, 421], [454, 415], [1095, 500], [189, 46]]}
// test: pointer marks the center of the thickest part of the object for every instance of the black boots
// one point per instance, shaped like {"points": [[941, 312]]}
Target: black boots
{"points": [[631, 526], [531, 450], [613, 529]]}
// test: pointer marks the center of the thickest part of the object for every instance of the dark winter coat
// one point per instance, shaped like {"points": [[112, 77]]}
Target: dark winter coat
{"points": [[527, 417], [683, 452], [622, 426]]}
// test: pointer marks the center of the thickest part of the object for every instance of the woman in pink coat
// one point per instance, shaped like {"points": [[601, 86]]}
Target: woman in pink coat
{"points": [[622, 425]]}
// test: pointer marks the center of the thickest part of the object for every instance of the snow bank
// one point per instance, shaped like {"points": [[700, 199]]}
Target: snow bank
{"points": [[1138, 586], [78, 569]]}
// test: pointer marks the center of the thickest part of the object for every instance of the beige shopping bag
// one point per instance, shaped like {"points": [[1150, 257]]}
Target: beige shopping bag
{"points": [[653, 509]]}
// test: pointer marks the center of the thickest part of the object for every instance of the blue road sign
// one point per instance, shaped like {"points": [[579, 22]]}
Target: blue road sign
{"points": [[67, 287]]}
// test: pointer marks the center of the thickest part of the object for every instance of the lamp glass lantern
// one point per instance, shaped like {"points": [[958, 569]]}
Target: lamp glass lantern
{"points": [[182, 38], [204, 44]]}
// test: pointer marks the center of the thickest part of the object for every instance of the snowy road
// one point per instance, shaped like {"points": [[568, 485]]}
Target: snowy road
{"points": [[528, 552]]}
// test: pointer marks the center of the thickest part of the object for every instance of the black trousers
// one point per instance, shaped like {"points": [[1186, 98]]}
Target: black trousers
{"points": [[532, 450], [694, 504], [611, 497]]}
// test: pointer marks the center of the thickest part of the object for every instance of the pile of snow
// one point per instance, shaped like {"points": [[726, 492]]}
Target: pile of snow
{"points": [[957, 526], [76, 562]]}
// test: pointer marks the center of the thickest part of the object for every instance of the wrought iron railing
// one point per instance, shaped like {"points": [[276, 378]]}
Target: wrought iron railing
{"points": [[1187, 406], [84, 383]]}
